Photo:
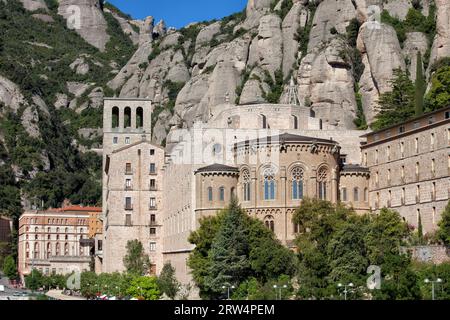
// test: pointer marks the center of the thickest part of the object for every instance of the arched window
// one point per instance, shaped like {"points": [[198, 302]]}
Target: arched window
{"points": [[246, 184], [115, 117], [127, 118], [66, 249], [343, 194], [27, 249], [269, 184], [222, 194], [366, 195], [210, 194], [295, 122], [322, 177], [356, 194], [269, 222], [139, 117], [58, 251], [36, 250], [49, 250], [297, 183], [264, 121]]}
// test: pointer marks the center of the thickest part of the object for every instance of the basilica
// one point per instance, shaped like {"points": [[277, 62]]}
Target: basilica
{"points": [[270, 157]]}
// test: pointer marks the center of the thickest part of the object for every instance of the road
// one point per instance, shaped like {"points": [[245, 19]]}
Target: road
{"points": [[8, 294]]}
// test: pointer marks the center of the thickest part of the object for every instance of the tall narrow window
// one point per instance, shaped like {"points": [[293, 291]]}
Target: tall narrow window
{"points": [[246, 184], [433, 167], [152, 185], [402, 149], [210, 194], [355, 194], [128, 168], [115, 117], [416, 145], [127, 118], [297, 183], [152, 203], [388, 153], [366, 195], [295, 122], [269, 184], [264, 121], [344, 194], [417, 170], [222, 194], [139, 117], [152, 168], [322, 178], [128, 204]]}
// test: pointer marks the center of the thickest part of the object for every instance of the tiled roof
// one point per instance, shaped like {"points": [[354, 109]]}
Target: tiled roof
{"points": [[218, 167]]}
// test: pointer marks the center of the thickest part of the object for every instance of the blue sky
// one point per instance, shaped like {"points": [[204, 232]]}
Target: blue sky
{"points": [[178, 13]]}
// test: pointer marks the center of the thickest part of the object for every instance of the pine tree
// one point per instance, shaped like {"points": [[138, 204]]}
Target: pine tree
{"points": [[229, 251], [396, 106], [136, 261], [167, 281], [420, 86], [420, 230]]}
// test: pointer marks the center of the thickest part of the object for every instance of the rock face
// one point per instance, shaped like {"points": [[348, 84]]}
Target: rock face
{"points": [[415, 42], [330, 14], [10, 94], [86, 18], [379, 45], [33, 5], [441, 44], [126, 27], [326, 83]]}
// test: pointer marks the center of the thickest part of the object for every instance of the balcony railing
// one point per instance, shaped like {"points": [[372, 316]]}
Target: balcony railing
{"points": [[153, 188], [153, 207], [128, 188], [128, 172], [128, 207]]}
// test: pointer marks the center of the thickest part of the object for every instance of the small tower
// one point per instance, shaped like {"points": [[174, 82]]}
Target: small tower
{"points": [[292, 94]]}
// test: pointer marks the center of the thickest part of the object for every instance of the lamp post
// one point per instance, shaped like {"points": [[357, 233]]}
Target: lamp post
{"points": [[228, 287], [346, 290], [433, 285], [279, 288]]}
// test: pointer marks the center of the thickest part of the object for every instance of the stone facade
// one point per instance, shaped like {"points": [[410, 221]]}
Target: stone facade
{"points": [[409, 168], [270, 157], [132, 183], [54, 241]]}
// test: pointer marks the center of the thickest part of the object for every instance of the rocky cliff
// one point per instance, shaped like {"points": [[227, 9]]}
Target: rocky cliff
{"points": [[68, 54]]}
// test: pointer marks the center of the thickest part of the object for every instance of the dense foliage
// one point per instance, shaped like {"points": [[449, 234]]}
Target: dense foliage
{"points": [[337, 246], [397, 105], [136, 261], [232, 249], [167, 282]]}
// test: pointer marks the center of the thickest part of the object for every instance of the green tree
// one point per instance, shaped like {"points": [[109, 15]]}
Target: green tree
{"points": [[265, 257], [229, 251], [10, 268], [420, 230], [34, 280], [439, 95], [145, 288], [397, 105], [136, 261], [420, 86], [167, 282], [443, 232]]}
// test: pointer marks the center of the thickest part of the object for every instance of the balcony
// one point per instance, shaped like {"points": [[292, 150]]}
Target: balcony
{"points": [[153, 223], [129, 172], [128, 188], [153, 207], [128, 207], [153, 188]]}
